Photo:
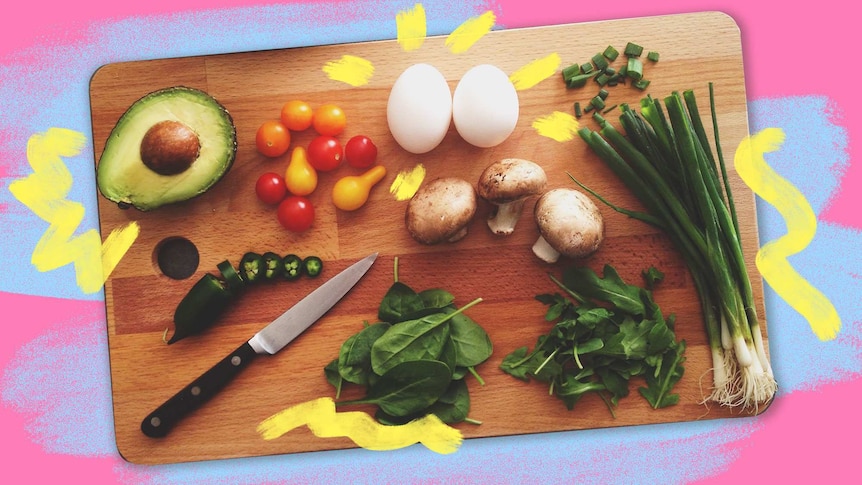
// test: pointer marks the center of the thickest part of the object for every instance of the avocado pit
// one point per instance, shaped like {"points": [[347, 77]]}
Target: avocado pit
{"points": [[170, 147]]}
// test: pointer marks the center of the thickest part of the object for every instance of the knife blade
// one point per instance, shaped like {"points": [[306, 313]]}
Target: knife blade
{"points": [[269, 340]]}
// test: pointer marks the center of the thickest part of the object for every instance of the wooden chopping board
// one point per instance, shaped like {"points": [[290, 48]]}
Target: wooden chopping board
{"points": [[228, 221]]}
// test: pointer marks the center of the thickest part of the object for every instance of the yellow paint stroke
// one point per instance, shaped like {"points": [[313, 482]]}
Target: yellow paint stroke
{"points": [[322, 419], [801, 226], [470, 32], [536, 72], [557, 126], [407, 182], [44, 192], [411, 28], [352, 70]]}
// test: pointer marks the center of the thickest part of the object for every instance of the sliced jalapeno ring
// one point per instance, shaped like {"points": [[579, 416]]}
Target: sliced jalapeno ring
{"points": [[271, 265], [291, 266], [251, 267], [312, 266]]}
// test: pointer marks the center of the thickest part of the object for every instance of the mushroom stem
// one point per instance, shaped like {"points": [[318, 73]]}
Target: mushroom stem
{"points": [[504, 217], [545, 251]]}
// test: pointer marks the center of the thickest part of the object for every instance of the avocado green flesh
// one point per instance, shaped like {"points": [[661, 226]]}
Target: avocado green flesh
{"points": [[123, 177]]}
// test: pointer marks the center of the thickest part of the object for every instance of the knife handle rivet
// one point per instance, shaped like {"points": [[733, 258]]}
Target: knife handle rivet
{"points": [[155, 421], [195, 391], [235, 360]]}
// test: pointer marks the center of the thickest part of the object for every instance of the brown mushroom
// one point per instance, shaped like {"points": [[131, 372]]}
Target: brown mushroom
{"points": [[569, 224], [507, 184], [441, 210]]}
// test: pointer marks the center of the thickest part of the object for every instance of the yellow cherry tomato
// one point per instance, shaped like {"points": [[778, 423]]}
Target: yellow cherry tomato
{"points": [[300, 177], [351, 192]]}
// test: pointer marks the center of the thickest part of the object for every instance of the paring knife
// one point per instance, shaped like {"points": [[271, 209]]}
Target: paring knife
{"points": [[269, 340]]}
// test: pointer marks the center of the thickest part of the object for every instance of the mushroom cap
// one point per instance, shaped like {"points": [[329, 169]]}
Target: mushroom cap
{"points": [[511, 179], [441, 210], [570, 222]]}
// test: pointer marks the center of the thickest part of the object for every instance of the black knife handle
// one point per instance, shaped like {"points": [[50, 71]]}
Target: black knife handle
{"points": [[160, 421]]}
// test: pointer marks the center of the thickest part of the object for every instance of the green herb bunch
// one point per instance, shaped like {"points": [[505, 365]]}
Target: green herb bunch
{"points": [[413, 361], [606, 332]]}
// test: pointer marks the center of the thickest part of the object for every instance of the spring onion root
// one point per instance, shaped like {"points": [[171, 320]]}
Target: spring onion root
{"points": [[664, 157]]}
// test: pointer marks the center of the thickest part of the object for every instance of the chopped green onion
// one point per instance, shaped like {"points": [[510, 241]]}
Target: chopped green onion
{"points": [[600, 61], [602, 79], [603, 93], [610, 108], [641, 84], [633, 50], [653, 56], [635, 68], [578, 81], [571, 71], [611, 53], [578, 111], [587, 67], [598, 102]]}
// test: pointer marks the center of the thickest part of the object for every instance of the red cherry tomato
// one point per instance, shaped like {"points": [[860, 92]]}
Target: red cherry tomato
{"points": [[360, 152], [325, 153], [296, 213], [270, 188]]}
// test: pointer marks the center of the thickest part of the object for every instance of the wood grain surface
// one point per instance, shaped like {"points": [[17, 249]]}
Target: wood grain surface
{"points": [[228, 221]]}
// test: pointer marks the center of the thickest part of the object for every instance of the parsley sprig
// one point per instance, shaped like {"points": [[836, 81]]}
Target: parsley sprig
{"points": [[605, 333]]}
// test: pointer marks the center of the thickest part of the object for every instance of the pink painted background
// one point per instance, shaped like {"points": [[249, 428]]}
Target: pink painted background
{"points": [[789, 51]]}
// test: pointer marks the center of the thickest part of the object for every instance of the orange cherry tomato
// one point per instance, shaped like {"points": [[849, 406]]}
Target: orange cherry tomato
{"points": [[296, 115], [272, 139], [329, 120]]}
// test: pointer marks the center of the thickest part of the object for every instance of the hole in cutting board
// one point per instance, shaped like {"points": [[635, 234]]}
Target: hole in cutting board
{"points": [[177, 257]]}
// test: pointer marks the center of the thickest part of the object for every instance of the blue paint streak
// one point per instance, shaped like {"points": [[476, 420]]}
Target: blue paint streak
{"points": [[75, 372], [813, 157]]}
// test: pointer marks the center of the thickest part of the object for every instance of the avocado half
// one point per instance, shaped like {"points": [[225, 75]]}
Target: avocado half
{"points": [[169, 146]]}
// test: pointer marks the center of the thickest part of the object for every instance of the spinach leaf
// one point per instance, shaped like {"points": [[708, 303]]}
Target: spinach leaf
{"points": [[472, 344], [354, 359], [399, 303], [436, 298], [419, 339], [454, 404], [333, 377], [407, 388]]}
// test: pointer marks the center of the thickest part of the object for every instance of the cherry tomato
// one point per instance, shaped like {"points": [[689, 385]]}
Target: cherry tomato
{"points": [[360, 152], [296, 115], [272, 139], [296, 213], [270, 188], [329, 119], [325, 153]]}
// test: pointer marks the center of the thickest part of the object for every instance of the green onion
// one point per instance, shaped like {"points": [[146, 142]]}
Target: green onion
{"points": [[600, 61], [578, 111], [611, 53], [666, 160], [635, 69], [633, 50], [653, 56], [571, 71], [598, 102]]}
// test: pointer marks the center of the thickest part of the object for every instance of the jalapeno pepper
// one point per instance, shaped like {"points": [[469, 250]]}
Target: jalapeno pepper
{"points": [[251, 267], [201, 307], [312, 266], [272, 265], [234, 281], [291, 266]]}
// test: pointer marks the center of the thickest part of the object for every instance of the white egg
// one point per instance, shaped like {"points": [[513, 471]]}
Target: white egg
{"points": [[485, 106], [419, 110]]}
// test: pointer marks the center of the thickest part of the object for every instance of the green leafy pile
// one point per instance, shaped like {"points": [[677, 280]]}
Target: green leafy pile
{"points": [[606, 333], [413, 361]]}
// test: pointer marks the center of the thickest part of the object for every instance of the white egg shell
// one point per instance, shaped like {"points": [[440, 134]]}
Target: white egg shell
{"points": [[419, 110], [485, 106]]}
